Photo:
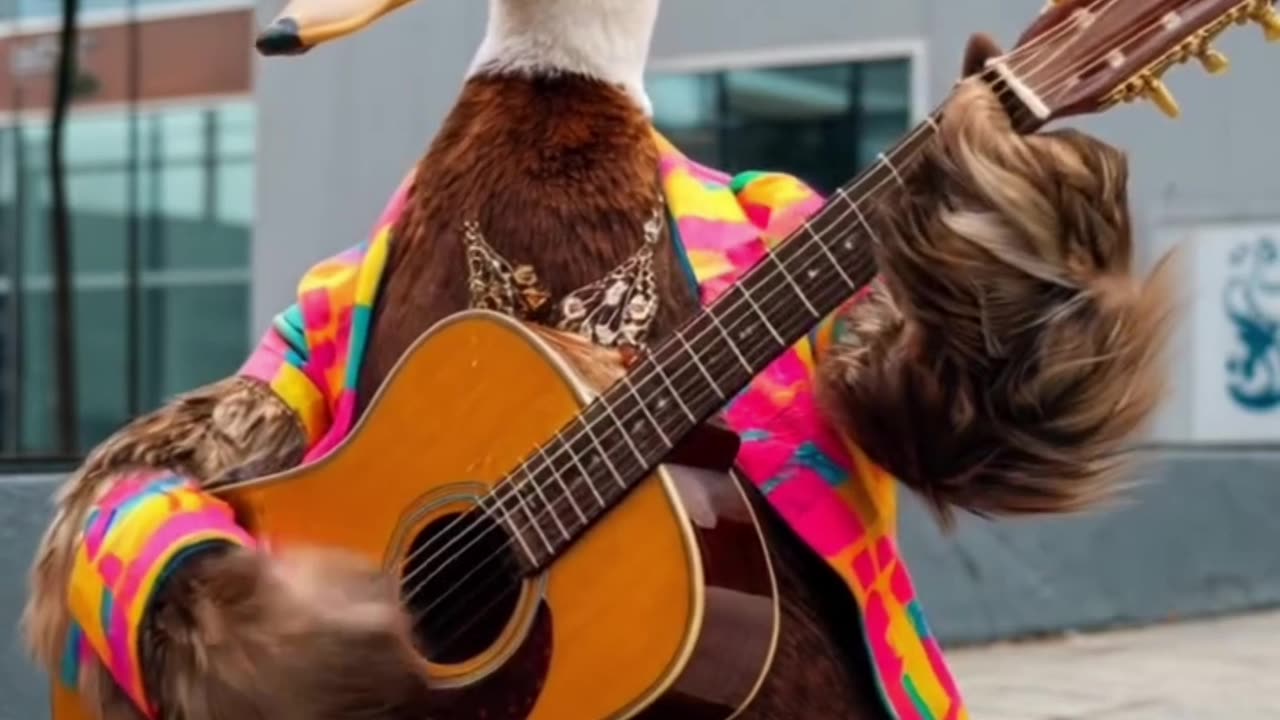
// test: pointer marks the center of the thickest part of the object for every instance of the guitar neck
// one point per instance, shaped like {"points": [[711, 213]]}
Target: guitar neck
{"points": [[617, 440]]}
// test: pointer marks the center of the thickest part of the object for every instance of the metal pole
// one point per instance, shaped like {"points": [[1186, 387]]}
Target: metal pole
{"points": [[18, 288], [63, 301], [7, 443], [133, 231]]}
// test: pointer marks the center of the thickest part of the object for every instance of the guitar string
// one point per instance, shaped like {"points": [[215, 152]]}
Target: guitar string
{"points": [[426, 613], [548, 461], [1021, 56]]}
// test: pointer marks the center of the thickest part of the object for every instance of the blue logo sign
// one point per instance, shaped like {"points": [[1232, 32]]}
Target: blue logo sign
{"points": [[1252, 302]]}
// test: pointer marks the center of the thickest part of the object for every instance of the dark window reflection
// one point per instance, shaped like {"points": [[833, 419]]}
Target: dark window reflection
{"points": [[822, 123], [193, 211]]}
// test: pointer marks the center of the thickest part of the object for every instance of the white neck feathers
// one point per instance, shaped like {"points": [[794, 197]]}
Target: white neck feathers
{"points": [[604, 39]]}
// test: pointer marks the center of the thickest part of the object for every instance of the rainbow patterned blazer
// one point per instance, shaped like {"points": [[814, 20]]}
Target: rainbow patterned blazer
{"points": [[837, 501]]}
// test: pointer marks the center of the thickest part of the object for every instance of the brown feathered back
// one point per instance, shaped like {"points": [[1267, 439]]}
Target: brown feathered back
{"points": [[1010, 354]]}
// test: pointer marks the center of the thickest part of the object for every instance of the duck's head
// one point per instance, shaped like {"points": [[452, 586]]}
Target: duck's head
{"points": [[605, 39]]}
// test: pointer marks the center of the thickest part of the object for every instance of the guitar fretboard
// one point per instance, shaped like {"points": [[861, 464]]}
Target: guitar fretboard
{"points": [[617, 440]]}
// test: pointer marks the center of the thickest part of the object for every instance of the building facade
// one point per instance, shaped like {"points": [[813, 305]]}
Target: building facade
{"points": [[159, 179]]}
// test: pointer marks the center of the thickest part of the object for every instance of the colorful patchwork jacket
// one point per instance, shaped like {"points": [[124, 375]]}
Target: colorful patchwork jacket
{"points": [[839, 502]]}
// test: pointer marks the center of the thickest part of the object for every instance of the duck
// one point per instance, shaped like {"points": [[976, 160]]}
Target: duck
{"points": [[548, 195]]}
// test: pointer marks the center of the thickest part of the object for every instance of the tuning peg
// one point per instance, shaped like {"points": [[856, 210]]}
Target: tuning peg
{"points": [[1214, 62], [1158, 93], [1269, 19]]}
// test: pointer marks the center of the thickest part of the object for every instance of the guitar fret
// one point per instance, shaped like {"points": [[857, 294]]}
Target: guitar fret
{"points": [[533, 519], [862, 219], [794, 286], [603, 455], [548, 511], [626, 436], [746, 292], [626, 380], [564, 488], [884, 160], [701, 368], [729, 341], [582, 470], [512, 528], [752, 339], [848, 281], [657, 368], [548, 507], [552, 505]]}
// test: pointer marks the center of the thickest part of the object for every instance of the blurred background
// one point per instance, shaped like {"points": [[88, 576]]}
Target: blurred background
{"points": [[201, 181]]}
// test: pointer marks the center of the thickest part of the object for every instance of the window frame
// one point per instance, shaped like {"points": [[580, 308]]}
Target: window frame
{"points": [[36, 24], [913, 50], [14, 452], [719, 66]]}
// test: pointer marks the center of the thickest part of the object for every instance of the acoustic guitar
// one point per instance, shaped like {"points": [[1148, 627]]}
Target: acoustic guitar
{"points": [[570, 551]]}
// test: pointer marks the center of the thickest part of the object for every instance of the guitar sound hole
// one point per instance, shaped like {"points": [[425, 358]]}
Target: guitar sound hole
{"points": [[460, 582]]}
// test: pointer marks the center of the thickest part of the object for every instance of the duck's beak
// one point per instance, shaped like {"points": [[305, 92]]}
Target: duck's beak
{"points": [[303, 24]]}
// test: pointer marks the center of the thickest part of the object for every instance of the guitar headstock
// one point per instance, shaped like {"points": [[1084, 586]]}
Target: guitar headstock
{"points": [[1085, 56]]}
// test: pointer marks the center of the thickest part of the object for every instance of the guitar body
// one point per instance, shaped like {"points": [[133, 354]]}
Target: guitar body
{"points": [[666, 607]]}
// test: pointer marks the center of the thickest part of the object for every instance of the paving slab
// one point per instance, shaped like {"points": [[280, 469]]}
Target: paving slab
{"points": [[1204, 670]]}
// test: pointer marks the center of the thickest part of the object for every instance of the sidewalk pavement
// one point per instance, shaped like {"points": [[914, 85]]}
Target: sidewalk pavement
{"points": [[1226, 669]]}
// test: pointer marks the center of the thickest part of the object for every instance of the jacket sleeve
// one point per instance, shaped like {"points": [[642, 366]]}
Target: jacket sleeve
{"points": [[135, 512], [148, 598]]}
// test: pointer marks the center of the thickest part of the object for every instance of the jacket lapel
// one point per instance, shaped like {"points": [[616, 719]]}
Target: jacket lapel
{"points": [[716, 236]]}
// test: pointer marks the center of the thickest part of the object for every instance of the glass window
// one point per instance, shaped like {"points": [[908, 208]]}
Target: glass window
{"points": [[28, 9], [194, 333], [823, 123], [236, 127], [183, 191], [687, 109], [101, 361]]}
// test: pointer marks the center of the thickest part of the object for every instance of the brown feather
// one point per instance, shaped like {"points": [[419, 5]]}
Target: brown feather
{"points": [[203, 434], [1012, 353], [560, 172], [235, 635]]}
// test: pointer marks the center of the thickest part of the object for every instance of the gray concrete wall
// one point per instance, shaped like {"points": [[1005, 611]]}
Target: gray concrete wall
{"points": [[24, 511], [1198, 539]]}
